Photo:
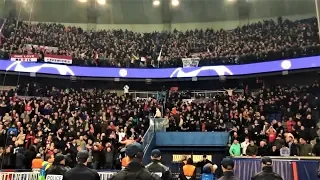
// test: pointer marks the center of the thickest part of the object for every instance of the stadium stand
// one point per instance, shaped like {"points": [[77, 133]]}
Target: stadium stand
{"points": [[59, 120], [257, 42], [44, 115]]}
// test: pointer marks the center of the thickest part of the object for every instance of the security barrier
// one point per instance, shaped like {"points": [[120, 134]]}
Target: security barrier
{"points": [[106, 175], [34, 175], [290, 168], [19, 176]]}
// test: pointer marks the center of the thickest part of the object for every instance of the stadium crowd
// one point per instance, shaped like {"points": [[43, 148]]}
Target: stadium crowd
{"points": [[67, 121], [275, 121], [257, 42]]}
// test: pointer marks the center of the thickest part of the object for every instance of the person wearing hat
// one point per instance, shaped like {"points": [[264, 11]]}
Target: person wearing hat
{"points": [[135, 170], [81, 171], [58, 166], [157, 167], [227, 166], [266, 173]]}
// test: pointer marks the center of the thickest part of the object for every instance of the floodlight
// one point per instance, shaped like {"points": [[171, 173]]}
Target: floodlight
{"points": [[156, 2], [101, 2], [23, 1], [82, 1], [175, 2]]}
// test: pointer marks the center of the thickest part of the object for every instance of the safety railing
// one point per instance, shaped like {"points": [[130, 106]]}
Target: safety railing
{"points": [[158, 124], [19, 175], [147, 138], [212, 94], [34, 175], [143, 94]]}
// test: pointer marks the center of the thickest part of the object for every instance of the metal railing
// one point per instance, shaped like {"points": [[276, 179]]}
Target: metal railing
{"points": [[156, 125], [143, 94], [34, 175], [147, 138]]}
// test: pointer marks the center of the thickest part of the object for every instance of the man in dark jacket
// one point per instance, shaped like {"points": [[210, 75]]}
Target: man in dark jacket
{"points": [[58, 166], [266, 173], [20, 158], [135, 170], [157, 168], [109, 156], [227, 166], [81, 171], [292, 146], [204, 161]]}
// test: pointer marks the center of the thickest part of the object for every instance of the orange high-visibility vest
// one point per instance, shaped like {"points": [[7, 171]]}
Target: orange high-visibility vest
{"points": [[125, 161], [37, 163], [188, 170]]}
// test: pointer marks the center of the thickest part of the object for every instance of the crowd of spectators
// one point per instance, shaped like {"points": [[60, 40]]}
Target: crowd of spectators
{"points": [[272, 122], [46, 121], [257, 42], [66, 121]]}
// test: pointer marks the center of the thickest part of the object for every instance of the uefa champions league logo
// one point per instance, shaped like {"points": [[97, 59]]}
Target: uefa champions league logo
{"points": [[220, 70], [18, 67]]}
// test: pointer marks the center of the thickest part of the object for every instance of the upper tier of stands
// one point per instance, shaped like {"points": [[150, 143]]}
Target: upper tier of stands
{"points": [[258, 42]]}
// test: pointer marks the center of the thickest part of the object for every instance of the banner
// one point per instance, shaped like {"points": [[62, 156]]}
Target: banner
{"points": [[163, 73], [41, 48], [58, 59], [190, 62], [27, 58]]}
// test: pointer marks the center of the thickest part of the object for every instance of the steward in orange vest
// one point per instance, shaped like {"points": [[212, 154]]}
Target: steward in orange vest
{"points": [[188, 171], [124, 162]]}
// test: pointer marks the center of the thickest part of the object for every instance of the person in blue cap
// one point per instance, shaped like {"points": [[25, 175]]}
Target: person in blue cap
{"points": [[157, 167], [208, 172], [135, 170]]}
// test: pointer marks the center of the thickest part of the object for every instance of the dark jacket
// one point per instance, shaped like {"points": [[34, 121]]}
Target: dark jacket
{"points": [[316, 149], [20, 163], [293, 149], [252, 150], [200, 164], [8, 161], [305, 149], [109, 156], [266, 174], [228, 175], [81, 172], [159, 169], [56, 170], [135, 170]]}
